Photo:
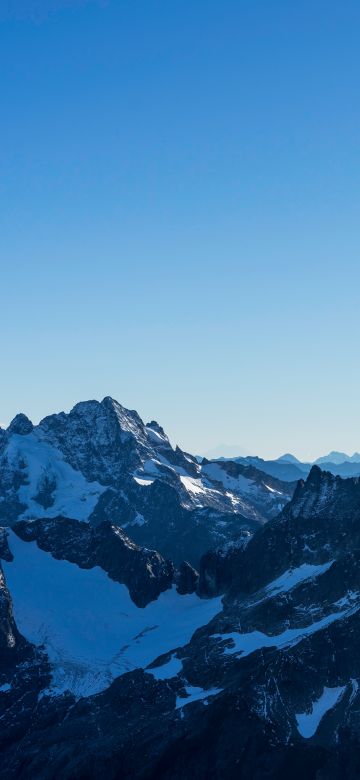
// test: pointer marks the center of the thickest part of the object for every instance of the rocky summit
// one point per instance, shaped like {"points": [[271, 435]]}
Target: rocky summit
{"points": [[101, 463], [164, 618]]}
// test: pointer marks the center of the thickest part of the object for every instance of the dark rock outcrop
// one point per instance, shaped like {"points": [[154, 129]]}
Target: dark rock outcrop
{"points": [[20, 425], [186, 578]]}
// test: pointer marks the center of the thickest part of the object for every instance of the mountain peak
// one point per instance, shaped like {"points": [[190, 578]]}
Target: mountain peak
{"points": [[155, 427], [288, 458], [21, 425], [339, 457]]}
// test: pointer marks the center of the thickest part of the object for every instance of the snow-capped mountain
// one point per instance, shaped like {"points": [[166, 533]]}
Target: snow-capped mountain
{"points": [[119, 659], [101, 463], [114, 664]]}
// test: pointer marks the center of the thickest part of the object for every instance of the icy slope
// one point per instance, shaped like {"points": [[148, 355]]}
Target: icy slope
{"points": [[50, 486], [90, 628]]}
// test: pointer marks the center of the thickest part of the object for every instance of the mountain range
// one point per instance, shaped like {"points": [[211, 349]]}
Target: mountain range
{"points": [[289, 468], [165, 618], [101, 463]]}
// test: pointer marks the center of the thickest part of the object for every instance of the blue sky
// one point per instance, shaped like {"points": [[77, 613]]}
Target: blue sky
{"points": [[179, 216]]}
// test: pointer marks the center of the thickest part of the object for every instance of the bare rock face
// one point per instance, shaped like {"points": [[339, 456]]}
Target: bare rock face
{"points": [[5, 552], [186, 578], [7, 625], [216, 573], [20, 425]]}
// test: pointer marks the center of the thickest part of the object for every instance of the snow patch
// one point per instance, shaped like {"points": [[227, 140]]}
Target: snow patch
{"points": [[272, 490], [5, 688], [156, 437], [196, 694], [245, 644], [193, 485], [292, 577], [308, 722], [237, 484], [168, 670], [351, 596]]}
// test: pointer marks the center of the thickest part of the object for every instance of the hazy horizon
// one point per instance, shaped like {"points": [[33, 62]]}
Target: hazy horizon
{"points": [[213, 450]]}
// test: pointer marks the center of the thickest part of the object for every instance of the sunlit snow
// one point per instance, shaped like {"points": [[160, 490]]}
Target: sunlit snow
{"points": [[272, 490], [193, 485], [238, 484], [72, 496]]}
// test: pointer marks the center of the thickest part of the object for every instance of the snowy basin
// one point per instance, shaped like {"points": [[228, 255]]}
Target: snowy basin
{"points": [[90, 628]]}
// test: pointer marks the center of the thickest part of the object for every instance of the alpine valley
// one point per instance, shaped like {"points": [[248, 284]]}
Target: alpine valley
{"points": [[164, 616]]}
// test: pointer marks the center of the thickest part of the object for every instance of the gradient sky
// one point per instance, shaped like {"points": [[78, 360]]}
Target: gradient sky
{"points": [[179, 216]]}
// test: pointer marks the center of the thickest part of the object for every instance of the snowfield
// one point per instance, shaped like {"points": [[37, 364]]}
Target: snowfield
{"points": [[293, 577], [72, 496], [89, 626]]}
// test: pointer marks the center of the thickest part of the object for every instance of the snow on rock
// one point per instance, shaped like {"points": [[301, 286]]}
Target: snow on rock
{"points": [[193, 485], [237, 484], [248, 643], [156, 434], [198, 491], [142, 481], [138, 520], [168, 670], [129, 421], [272, 490], [91, 629], [53, 487], [349, 598], [355, 688], [249, 494], [293, 577], [308, 722], [196, 694], [5, 688]]}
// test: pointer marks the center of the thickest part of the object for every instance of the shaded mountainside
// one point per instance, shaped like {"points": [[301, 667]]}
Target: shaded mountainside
{"points": [[323, 516], [261, 680], [287, 471], [144, 572], [101, 463]]}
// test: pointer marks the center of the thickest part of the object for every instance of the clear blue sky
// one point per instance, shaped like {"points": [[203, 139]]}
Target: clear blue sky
{"points": [[179, 216]]}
